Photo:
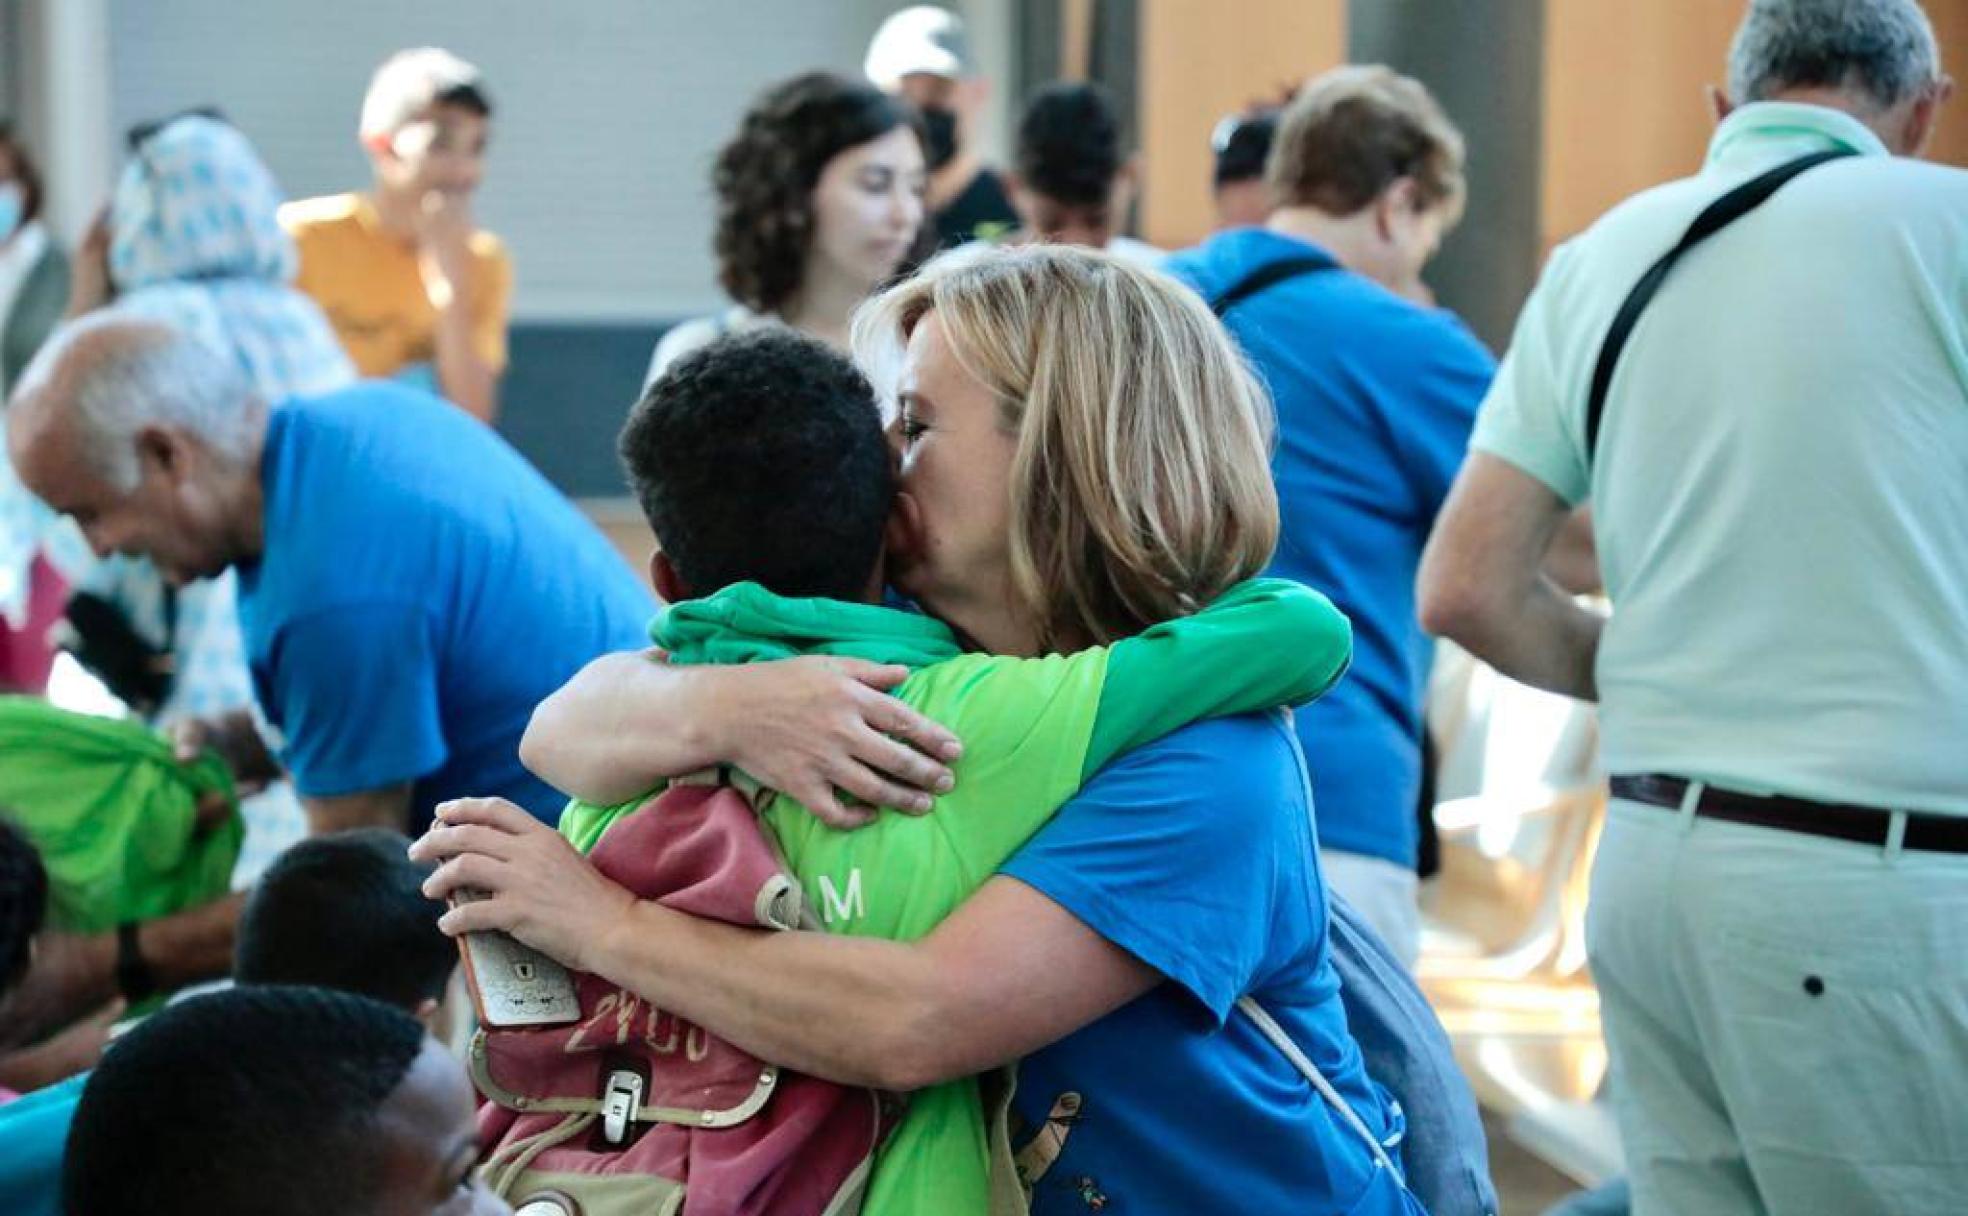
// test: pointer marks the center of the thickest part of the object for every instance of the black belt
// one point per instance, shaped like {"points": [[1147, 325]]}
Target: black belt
{"points": [[1862, 824]]}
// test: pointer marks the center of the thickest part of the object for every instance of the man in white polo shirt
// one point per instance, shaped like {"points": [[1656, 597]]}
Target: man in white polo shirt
{"points": [[1779, 920]]}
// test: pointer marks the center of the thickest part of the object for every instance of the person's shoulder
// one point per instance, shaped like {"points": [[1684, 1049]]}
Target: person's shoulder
{"points": [[354, 400], [487, 247], [1869, 196], [1137, 252], [688, 335], [1246, 764], [313, 216], [381, 420], [1265, 735], [1191, 266], [685, 336], [1631, 233], [1439, 331]]}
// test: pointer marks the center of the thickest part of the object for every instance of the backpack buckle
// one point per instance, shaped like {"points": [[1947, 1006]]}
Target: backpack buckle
{"points": [[621, 1098]]}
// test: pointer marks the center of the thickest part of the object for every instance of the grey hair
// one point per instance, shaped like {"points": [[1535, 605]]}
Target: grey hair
{"points": [[113, 375], [1882, 48]]}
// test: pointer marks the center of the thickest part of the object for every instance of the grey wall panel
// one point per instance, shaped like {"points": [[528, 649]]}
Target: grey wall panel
{"points": [[609, 112], [1484, 60], [569, 389]]}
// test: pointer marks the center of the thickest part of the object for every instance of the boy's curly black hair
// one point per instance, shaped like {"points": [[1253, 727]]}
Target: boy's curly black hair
{"points": [[282, 1092], [760, 458]]}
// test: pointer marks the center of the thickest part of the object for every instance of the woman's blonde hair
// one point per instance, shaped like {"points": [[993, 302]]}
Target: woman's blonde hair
{"points": [[1141, 486]]}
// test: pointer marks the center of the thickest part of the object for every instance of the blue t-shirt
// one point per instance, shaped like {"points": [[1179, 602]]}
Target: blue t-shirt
{"points": [[1195, 854], [1375, 398], [422, 588], [33, 1135]]}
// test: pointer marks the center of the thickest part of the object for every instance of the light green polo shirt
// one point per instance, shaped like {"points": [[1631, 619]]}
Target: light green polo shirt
{"points": [[1780, 496]]}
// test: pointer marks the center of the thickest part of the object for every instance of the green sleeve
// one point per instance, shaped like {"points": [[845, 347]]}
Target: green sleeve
{"points": [[1263, 643], [584, 824]]}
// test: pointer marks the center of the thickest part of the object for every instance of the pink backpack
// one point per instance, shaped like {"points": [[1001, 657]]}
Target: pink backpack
{"points": [[634, 1110]]}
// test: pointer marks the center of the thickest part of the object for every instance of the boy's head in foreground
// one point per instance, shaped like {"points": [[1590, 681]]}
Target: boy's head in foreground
{"points": [[273, 1101], [761, 458]]}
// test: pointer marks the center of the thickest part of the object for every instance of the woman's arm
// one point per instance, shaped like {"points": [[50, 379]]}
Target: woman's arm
{"points": [[1263, 643], [805, 727], [1009, 972]]}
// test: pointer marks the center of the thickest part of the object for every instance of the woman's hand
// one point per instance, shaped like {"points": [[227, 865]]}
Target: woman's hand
{"points": [[813, 727], [810, 728], [534, 885]]}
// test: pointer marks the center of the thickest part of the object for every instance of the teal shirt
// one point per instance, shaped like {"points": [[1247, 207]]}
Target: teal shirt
{"points": [[1780, 495], [33, 1136]]}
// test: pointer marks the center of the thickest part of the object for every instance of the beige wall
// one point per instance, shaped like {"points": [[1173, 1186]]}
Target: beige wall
{"points": [[1200, 60], [1624, 100], [1950, 19]]}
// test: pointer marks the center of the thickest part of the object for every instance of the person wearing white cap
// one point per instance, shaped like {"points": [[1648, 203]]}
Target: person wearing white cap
{"points": [[920, 54]]}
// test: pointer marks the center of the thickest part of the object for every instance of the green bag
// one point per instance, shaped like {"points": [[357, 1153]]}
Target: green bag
{"points": [[113, 815]]}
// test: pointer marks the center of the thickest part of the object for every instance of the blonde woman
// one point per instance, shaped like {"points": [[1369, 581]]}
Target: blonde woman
{"points": [[1083, 454]]}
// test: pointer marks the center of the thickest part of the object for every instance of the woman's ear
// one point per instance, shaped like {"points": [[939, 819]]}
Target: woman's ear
{"points": [[902, 539]]}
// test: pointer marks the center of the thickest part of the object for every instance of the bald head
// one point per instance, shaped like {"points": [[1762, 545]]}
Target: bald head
{"points": [[146, 437]]}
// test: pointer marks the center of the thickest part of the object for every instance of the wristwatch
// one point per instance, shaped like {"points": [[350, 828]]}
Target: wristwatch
{"points": [[133, 975]]}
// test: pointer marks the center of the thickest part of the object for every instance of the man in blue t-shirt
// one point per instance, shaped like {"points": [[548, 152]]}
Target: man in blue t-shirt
{"points": [[410, 588], [1376, 393]]}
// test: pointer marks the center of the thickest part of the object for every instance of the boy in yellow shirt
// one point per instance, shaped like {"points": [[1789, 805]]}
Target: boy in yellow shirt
{"points": [[414, 289]]}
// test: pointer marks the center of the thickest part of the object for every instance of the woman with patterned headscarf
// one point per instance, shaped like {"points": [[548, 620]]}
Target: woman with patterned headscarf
{"points": [[191, 238]]}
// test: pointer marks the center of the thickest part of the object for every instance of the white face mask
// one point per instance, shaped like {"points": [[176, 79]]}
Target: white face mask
{"points": [[12, 201]]}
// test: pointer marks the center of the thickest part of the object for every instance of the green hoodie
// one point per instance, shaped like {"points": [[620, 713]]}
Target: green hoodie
{"points": [[1033, 731]]}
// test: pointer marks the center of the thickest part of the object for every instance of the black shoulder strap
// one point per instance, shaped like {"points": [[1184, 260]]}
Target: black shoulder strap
{"points": [[1269, 275], [1714, 217]]}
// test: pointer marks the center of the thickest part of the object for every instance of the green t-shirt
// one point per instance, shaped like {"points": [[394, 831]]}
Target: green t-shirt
{"points": [[113, 816], [1033, 731]]}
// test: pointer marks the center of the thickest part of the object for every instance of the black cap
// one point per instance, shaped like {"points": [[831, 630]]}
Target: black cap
{"points": [[1242, 142]]}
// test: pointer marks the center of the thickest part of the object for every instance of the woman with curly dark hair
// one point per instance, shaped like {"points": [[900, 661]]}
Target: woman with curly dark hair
{"points": [[819, 202]]}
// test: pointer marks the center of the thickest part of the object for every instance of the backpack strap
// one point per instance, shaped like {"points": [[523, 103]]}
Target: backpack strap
{"points": [[1713, 218], [1267, 276], [781, 903], [478, 1063], [724, 774], [1269, 1028]]}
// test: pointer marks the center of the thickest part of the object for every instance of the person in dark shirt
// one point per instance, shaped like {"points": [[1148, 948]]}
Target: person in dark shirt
{"points": [[920, 54]]}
